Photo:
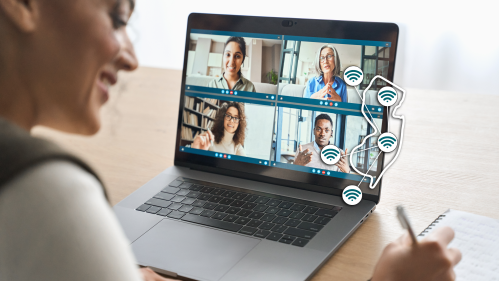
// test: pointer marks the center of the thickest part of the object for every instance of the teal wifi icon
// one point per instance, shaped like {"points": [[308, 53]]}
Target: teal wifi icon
{"points": [[387, 95], [353, 75], [351, 194], [330, 153], [387, 141]]}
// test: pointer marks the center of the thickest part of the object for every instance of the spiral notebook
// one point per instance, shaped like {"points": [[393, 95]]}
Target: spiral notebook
{"points": [[478, 239]]}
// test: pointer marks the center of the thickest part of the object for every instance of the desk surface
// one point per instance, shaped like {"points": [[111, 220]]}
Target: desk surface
{"points": [[449, 158]]}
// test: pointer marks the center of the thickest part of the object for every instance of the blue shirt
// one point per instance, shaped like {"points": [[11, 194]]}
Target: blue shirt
{"points": [[317, 83]]}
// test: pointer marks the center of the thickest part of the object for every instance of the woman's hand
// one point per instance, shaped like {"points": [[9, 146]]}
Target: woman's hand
{"points": [[429, 260], [149, 275], [327, 90], [321, 94], [330, 90], [203, 141]]}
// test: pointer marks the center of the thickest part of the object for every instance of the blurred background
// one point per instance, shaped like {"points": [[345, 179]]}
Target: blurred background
{"points": [[443, 45]]}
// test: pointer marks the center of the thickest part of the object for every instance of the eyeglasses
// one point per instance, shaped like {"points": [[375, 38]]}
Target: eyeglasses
{"points": [[328, 57], [318, 130], [231, 118]]}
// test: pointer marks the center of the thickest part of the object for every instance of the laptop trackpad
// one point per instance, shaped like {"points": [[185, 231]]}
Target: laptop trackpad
{"points": [[192, 251]]}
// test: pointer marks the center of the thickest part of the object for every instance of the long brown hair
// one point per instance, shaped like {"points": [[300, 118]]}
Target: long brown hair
{"points": [[218, 125]]}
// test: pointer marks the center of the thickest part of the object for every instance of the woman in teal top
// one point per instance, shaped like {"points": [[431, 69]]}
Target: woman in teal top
{"points": [[233, 59]]}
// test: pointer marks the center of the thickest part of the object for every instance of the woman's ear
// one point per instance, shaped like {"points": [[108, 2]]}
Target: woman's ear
{"points": [[23, 14]]}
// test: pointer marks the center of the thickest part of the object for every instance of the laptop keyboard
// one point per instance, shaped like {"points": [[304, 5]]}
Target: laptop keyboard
{"points": [[267, 216]]}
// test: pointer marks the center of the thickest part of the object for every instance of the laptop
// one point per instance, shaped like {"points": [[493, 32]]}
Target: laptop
{"points": [[248, 198]]}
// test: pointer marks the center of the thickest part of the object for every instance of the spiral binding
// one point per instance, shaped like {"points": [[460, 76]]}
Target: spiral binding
{"points": [[429, 227]]}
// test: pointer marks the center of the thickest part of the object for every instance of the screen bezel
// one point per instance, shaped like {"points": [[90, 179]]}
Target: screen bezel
{"points": [[372, 31]]}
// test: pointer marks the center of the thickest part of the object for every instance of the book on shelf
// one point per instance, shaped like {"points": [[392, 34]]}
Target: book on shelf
{"points": [[190, 118], [189, 102], [212, 101], [207, 124], [206, 110], [188, 133]]}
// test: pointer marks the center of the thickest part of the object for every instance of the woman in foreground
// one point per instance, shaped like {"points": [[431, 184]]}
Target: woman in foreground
{"points": [[57, 61]]}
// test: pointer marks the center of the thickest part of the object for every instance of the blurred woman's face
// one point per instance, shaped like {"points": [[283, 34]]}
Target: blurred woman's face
{"points": [[83, 47], [230, 124], [233, 58], [327, 60]]}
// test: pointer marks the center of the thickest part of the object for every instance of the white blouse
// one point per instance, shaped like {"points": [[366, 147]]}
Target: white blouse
{"points": [[55, 224], [227, 145]]}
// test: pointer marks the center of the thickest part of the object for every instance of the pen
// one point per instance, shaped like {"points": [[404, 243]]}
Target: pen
{"points": [[404, 221]]}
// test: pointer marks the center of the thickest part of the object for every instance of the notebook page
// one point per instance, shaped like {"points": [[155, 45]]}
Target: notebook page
{"points": [[478, 239]]}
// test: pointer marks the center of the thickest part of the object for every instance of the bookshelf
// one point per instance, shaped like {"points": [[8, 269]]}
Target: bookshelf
{"points": [[197, 117]]}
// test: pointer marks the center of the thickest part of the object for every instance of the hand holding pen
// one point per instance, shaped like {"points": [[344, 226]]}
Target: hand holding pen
{"points": [[429, 259]]}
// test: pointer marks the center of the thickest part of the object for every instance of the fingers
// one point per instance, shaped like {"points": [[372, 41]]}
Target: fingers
{"points": [[404, 239], [454, 255], [202, 140], [300, 148], [346, 151], [340, 162], [308, 158], [324, 94], [443, 235], [211, 137]]}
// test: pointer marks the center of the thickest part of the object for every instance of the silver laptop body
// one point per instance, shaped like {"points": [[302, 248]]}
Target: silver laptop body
{"points": [[209, 244]]}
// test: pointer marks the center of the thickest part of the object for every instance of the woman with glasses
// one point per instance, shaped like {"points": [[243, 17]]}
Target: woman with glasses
{"points": [[227, 133], [327, 84]]}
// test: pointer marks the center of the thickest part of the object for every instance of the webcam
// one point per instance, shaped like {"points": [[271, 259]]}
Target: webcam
{"points": [[287, 23]]}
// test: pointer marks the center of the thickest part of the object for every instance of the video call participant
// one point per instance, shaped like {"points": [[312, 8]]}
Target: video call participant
{"points": [[233, 59], [227, 133], [327, 84], [86, 241], [311, 156]]}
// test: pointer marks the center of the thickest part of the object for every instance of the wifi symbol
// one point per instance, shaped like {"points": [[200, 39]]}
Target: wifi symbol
{"points": [[330, 154], [387, 96], [352, 195], [387, 142], [353, 76]]}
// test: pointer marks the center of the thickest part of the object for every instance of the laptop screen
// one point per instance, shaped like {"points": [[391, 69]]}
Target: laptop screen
{"points": [[274, 101]]}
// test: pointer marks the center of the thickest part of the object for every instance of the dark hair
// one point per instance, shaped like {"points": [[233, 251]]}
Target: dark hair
{"points": [[325, 117], [242, 45], [218, 125]]}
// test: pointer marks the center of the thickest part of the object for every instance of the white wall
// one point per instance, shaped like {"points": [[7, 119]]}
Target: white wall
{"points": [[200, 65], [447, 45], [258, 130], [256, 60]]}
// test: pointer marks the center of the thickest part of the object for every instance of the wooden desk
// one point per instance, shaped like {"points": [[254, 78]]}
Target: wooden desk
{"points": [[450, 158]]}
